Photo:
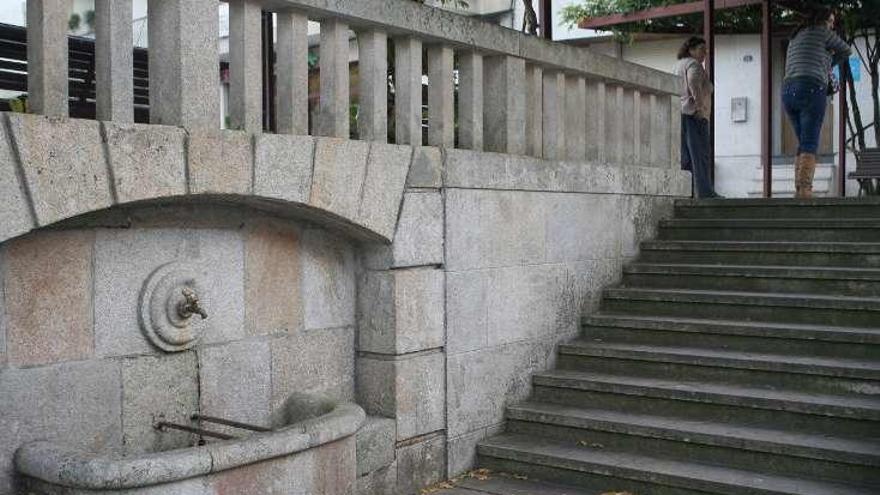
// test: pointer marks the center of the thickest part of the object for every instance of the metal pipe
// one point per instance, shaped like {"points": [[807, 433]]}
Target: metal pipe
{"points": [[709, 35], [227, 422], [546, 22], [766, 96], [268, 64], [841, 136], [191, 429]]}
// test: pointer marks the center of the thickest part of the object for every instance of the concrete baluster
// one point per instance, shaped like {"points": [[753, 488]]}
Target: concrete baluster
{"points": [[595, 132], [674, 131], [441, 96], [534, 110], [554, 115], [373, 80], [292, 74], [504, 110], [575, 117], [184, 63], [408, 90], [661, 133], [114, 85], [470, 100], [629, 117], [613, 123], [245, 66], [47, 56], [596, 146], [643, 127], [334, 113]]}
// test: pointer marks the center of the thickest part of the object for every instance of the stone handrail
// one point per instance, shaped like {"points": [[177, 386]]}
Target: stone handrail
{"points": [[518, 94]]}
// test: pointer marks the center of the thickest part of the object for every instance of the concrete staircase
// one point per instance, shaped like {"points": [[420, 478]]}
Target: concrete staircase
{"points": [[740, 355]]}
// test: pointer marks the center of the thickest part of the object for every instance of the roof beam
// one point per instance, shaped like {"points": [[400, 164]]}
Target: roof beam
{"points": [[660, 12]]}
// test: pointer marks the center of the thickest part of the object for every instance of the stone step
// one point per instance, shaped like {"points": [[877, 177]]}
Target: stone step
{"points": [[853, 281], [745, 306], [736, 335], [760, 370], [732, 445], [823, 254], [787, 410], [830, 208], [568, 462], [775, 229]]}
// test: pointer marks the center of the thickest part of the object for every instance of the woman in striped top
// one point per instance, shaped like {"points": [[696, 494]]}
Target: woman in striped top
{"points": [[811, 53]]}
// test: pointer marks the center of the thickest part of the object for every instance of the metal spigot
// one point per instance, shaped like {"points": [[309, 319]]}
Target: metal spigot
{"points": [[190, 305]]}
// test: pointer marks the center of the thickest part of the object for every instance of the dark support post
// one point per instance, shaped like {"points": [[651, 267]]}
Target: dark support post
{"points": [[709, 35], [841, 138], [766, 96], [546, 20], [268, 32]]}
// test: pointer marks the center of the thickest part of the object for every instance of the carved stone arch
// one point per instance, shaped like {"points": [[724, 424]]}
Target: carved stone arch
{"points": [[54, 169]]}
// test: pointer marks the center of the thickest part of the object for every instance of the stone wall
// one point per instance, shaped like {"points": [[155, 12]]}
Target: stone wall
{"points": [[76, 368], [492, 258]]}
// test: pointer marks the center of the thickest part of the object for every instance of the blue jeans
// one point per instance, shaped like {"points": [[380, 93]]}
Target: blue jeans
{"points": [[695, 153], [804, 101]]}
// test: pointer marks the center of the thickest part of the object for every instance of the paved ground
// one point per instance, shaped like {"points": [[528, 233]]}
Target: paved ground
{"points": [[484, 483]]}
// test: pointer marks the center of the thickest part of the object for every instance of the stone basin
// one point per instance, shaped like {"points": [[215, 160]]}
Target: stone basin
{"points": [[314, 453]]}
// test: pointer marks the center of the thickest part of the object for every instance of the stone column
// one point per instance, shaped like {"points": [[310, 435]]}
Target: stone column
{"points": [[292, 74], [504, 113], [661, 132], [245, 66], [595, 120], [674, 131], [613, 123], [470, 100], [114, 87], [575, 117], [373, 79], [642, 129], [534, 110], [184, 63], [441, 97], [408, 90], [47, 56], [554, 115], [334, 113], [628, 117]]}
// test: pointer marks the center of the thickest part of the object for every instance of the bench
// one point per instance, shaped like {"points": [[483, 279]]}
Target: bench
{"points": [[867, 171]]}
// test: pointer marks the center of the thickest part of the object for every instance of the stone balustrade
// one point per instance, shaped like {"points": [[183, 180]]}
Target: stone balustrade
{"points": [[517, 94]]}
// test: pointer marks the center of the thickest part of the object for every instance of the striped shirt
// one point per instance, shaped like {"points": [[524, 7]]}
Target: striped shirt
{"points": [[812, 52]]}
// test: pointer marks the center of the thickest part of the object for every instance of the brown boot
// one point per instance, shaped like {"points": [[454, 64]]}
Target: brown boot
{"points": [[797, 174], [805, 178]]}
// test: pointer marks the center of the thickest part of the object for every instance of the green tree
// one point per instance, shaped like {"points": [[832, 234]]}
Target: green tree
{"points": [[859, 26]]}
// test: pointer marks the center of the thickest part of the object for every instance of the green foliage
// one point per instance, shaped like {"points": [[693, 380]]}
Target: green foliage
{"points": [[90, 20], [741, 20], [74, 22], [19, 104]]}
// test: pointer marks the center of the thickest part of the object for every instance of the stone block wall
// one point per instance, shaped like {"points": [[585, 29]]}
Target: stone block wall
{"points": [[492, 259], [527, 252], [76, 368]]}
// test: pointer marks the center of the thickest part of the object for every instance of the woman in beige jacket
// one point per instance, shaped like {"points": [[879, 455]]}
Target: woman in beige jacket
{"points": [[696, 106]]}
